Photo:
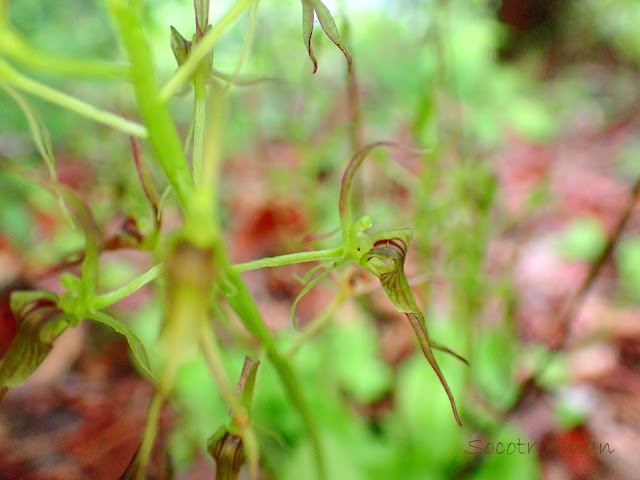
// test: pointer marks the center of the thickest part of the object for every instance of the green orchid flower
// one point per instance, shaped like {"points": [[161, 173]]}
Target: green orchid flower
{"points": [[382, 254]]}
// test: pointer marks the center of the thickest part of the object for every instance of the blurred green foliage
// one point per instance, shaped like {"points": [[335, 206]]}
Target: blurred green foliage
{"points": [[582, 239], [423, 69], [628, 263]]}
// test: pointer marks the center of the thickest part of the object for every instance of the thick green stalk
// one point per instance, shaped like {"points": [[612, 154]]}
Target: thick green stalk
{"points": [[242, 303], [162, 132], [216, 121]]}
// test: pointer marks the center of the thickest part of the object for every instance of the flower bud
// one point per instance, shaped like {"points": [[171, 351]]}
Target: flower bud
{"points": [[228, 452]]}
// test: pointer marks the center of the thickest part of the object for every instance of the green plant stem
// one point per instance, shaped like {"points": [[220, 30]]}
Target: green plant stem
{"points": [[21, 82], [13, 46], [287, 259], [242, 303], [213, 357], [239, 414], [209, 180], [202, 49], [103, 301], [155, 115], [90, 267], [110, 298], [150, 432], [199, 118], [246, 46]]}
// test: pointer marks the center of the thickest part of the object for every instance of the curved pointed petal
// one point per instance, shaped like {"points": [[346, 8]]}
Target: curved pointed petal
{"points": [[308, 16], [328, 24]]}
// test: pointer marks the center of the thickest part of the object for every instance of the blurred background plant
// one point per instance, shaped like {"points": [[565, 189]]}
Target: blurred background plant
{"points": [[525, 256]]}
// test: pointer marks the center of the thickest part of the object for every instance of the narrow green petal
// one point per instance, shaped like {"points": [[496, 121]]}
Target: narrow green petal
{"points": [[309, 285], [308, 16], [328, 24], [135, 344], [202, 15], [347, 184]]}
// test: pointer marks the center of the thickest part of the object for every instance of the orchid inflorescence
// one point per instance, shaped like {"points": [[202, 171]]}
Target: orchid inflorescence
{"points": [[193, 260], [383, 254]]}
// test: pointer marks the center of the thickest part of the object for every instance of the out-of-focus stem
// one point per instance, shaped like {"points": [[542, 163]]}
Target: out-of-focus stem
{"points": [[316, 325], [213, 357], [242, 303], [13, 46], [150, 432], [21, 82], [103, 301], [287, 259], [162, 132], [199, 118]]}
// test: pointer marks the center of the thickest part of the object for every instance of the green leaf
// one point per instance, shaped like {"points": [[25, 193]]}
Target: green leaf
{"points": [[311, 9], [40, 321], [39, 134], [412, 417], [135, 344], [521, 466], [494, 364], [360, 370], [342, 463]]}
